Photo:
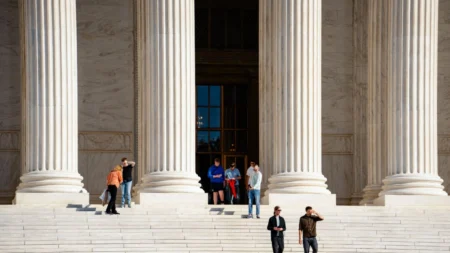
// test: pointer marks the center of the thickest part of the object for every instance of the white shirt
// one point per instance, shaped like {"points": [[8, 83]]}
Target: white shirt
{"points": [[278, 224], [250, 171], [255, 180]]}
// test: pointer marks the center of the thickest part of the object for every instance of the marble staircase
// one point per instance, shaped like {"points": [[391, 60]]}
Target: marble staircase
{"points": [[218, 229]]}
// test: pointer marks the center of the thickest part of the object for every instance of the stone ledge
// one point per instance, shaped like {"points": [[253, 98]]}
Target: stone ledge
{"points": [[57, 199], [412, 200]]}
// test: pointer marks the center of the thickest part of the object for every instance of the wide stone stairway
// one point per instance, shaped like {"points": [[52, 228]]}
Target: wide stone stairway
{"points": [[219, 229]]}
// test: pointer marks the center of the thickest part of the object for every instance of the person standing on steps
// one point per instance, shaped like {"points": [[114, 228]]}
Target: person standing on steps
{"points": [[307, 230], [113, 182], [127, 181], [254, 191], [217, 176], [249, 173], [277, 226], [232, 176]]}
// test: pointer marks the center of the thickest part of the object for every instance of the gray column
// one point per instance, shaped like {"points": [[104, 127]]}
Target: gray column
{"points": [[360, 11], [376, 114]]}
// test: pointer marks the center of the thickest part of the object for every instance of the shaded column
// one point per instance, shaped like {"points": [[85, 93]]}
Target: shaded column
{"points": [[376, 138], [266, 110], [360, 11]]}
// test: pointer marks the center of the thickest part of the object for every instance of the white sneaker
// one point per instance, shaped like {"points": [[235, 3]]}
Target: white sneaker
{"points": [[122, 206]]}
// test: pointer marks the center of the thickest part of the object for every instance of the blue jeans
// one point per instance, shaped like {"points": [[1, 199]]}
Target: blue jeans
{"points": [[253, 194], [126, 192], [310, 242]]}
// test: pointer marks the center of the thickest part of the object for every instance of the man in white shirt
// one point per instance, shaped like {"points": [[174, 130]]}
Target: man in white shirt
{"points": [[249, 173], [254, 191]]}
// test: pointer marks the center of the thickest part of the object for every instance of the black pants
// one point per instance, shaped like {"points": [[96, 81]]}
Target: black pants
{"points": [[277, 244], [310, 242], [112, 203]]}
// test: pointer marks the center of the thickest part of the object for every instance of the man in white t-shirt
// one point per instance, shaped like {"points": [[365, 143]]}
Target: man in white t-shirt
{"points": [[254, 191], [249, 173]]}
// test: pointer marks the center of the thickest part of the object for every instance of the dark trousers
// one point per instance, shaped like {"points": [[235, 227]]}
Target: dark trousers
{"points": [[310, 242], [112, 203], [277, 244]]}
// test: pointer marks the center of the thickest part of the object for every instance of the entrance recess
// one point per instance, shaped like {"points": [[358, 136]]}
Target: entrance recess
{"points": [[222, 128]]}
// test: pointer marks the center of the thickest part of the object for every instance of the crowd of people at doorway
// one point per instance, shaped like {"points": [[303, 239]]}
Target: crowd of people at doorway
{"points": [[229, 179], [121, 176]]}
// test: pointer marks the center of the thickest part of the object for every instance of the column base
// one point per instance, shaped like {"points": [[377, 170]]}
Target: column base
{"points": [[413, 184], [370, 194], [356, 198], [298, 183], [51, 182], [169, 182], [412, 200], [300, 200], [50, 198], [173, 199]]}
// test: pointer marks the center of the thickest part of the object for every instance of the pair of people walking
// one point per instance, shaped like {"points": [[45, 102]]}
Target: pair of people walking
{"points": [[121, 175], [306, 230]]}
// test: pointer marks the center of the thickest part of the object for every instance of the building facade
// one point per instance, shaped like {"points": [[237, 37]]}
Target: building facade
{"points": [[322, 94]]}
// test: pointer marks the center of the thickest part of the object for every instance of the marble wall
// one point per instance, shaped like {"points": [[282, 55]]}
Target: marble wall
{"points": [[106, 88], [10, 170], [107, 99], [444, 92], [337, 100]]}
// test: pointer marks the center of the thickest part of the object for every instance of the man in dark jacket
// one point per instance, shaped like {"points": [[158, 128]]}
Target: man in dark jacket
{"points": [[276, 226]]}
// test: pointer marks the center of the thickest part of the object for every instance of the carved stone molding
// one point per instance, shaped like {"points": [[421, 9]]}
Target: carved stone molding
{"points": [[120, 142], [444, 144], [337, 144], [9, 141]]}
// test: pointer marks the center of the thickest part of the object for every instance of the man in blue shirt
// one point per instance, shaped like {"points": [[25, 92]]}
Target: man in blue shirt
{"points": [[232, 176], [217, 177]]}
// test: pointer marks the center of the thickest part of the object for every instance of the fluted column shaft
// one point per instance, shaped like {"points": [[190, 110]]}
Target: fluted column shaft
{"points": [[166, 75], [49, 97], [360, 11], [412, 99], [296, 62], [266, 46], [376, 121]]}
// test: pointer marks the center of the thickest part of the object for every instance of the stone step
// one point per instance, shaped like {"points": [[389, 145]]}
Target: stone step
{"points": [[140, 229]]}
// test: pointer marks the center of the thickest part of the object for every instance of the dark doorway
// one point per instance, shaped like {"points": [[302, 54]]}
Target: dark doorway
{"points": [[227, 85]]}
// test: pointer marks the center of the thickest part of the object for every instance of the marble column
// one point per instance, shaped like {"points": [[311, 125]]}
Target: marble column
{"points": [[376, 122], [266, 44], [412, 161], [49, 104], [296, 100], [360, 11], [166, 76]]}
